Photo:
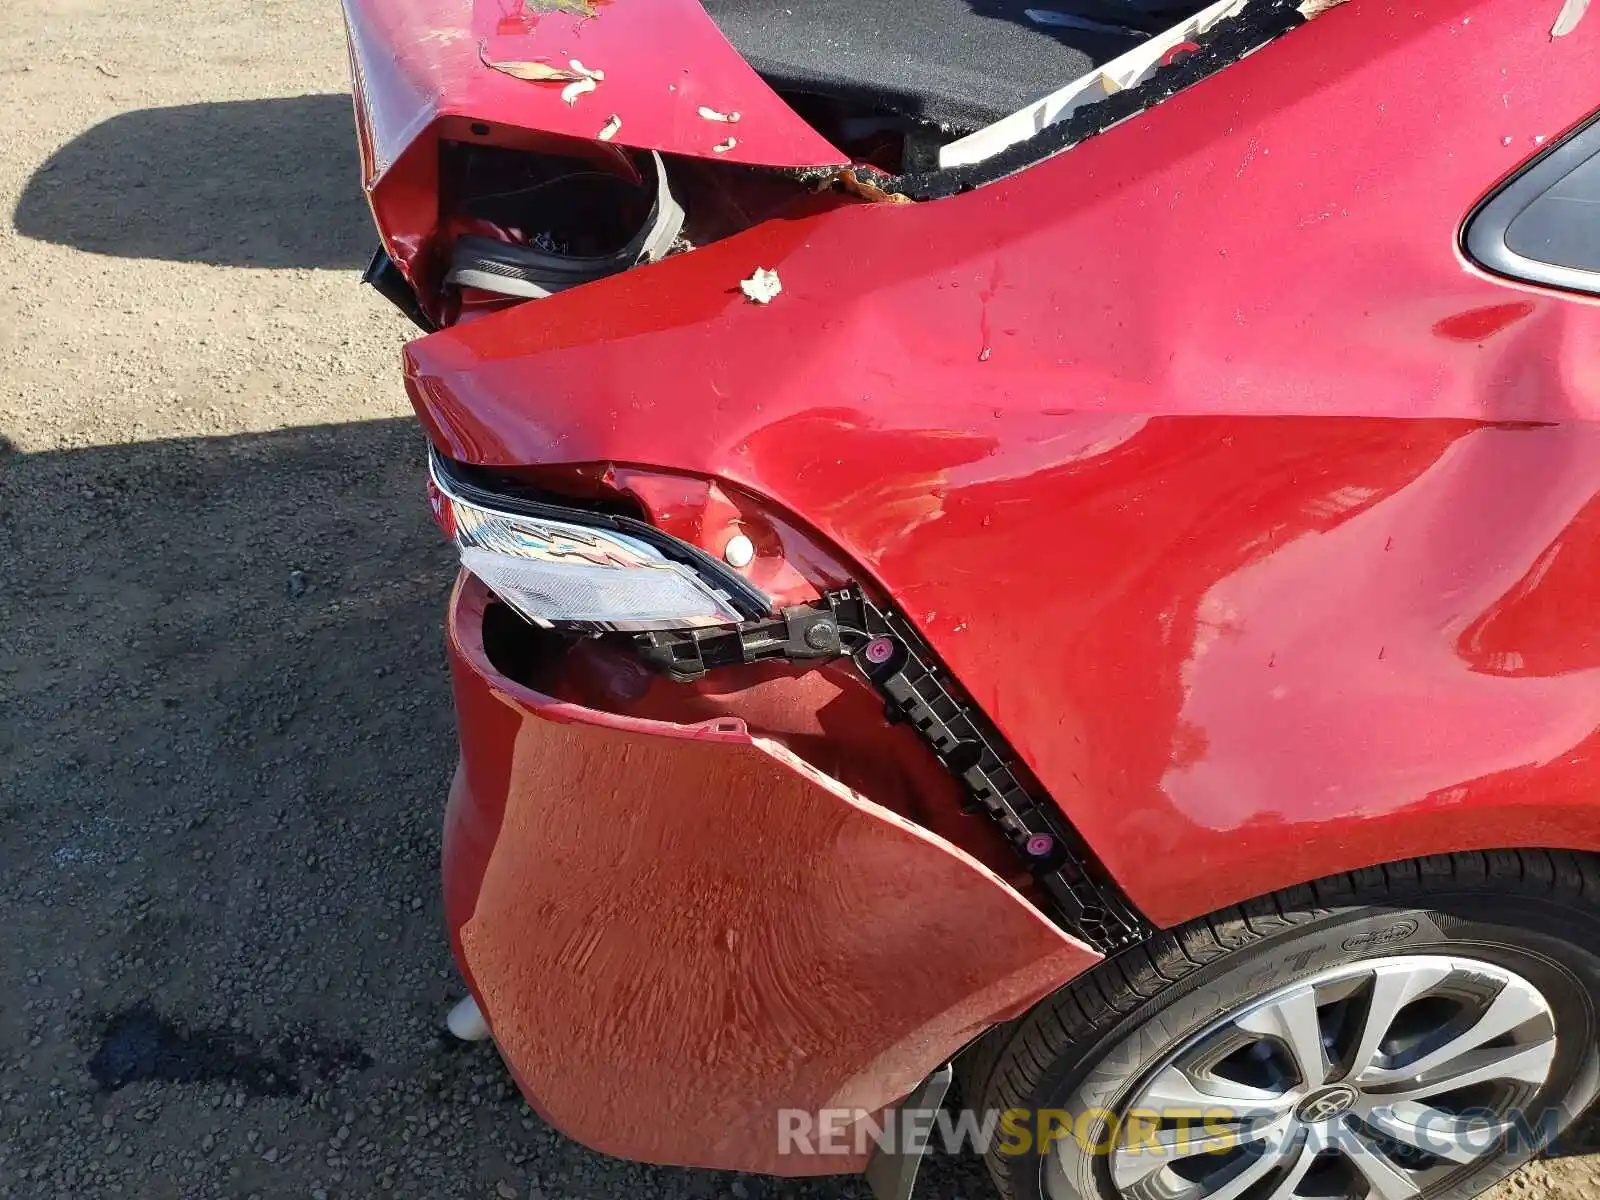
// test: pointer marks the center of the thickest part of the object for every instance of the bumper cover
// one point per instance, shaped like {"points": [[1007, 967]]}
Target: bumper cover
{"points": [[675, 931]]}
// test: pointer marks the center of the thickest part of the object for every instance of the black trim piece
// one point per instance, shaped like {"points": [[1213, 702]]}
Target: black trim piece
{"points": [[801, 632], [1085, 900], [1081, 896], [385, 278], [1489, 233], [460, 478]]}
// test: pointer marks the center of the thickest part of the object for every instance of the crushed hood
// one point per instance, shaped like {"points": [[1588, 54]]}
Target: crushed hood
{"points": [[655, 64]]}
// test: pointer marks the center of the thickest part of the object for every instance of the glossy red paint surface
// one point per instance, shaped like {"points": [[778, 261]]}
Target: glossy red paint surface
{"points": [[677, 928], [1262, 525]]}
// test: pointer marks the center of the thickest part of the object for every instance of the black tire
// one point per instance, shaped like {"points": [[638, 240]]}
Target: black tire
{"points": [[1087, 1047]]}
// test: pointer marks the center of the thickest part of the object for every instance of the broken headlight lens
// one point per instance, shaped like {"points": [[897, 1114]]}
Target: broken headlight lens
{"points": [[558, 572]]}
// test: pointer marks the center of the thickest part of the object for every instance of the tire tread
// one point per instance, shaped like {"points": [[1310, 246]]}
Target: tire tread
{"points": [[1006, 1068]]}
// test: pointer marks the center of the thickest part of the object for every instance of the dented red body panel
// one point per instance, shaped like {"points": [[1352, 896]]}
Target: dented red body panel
{"points": [[1264, 527], [677, 929], [1195, 451]]}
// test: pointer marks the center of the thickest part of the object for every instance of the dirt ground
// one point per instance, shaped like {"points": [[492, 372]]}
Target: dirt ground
{"points": [[226, 735]]}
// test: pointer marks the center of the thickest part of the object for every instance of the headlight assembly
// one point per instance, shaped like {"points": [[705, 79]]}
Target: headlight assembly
{"points": [[565, 567]]}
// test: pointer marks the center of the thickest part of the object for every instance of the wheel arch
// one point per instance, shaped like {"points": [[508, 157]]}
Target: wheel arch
{"points": [[1271, 856]]}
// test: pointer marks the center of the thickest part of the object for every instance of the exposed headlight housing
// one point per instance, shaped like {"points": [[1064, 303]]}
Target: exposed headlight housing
{"points": [[568, 568]]}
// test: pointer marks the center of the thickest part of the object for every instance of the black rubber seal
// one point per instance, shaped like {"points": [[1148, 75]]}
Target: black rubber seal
{"points": [[1543, 224]]}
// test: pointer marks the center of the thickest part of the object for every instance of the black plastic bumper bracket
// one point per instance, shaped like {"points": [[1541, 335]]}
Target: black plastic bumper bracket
{"points": [[917, 690]]}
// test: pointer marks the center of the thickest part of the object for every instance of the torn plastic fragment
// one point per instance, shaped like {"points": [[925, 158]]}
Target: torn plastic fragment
{"points": [[710, 114], [762, 287], [583, 70], [1182, 51], [866, 190], [572, 91], [1315, 8], [613, 124], [724, 147], [1569, 16]]}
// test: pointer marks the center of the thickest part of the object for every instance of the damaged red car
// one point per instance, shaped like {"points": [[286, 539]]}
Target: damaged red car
{"points": [[1052, 548]]}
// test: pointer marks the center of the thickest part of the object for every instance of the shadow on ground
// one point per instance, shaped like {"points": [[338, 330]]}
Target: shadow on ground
{"points": [[248, 183], [226, 746]]}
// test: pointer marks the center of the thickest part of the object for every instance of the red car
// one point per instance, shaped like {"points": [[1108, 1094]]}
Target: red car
{"points": [[1054, 545]]}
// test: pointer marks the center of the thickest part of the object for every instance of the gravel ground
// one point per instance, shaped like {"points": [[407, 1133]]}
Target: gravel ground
{"points": [[226, 735]]}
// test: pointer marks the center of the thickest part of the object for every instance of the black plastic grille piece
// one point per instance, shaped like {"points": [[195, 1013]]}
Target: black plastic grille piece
{"points": [[1087, 902]]}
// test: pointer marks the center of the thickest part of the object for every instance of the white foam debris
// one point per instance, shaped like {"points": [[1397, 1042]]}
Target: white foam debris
{"points": [[572, 91], [762, 287]]}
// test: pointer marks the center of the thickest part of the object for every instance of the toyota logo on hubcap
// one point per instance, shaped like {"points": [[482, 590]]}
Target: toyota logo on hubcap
{"points": [[1327, 1104]]}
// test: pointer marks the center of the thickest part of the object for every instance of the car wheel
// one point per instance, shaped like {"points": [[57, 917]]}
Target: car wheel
{"points": [[1412, 1031]]}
